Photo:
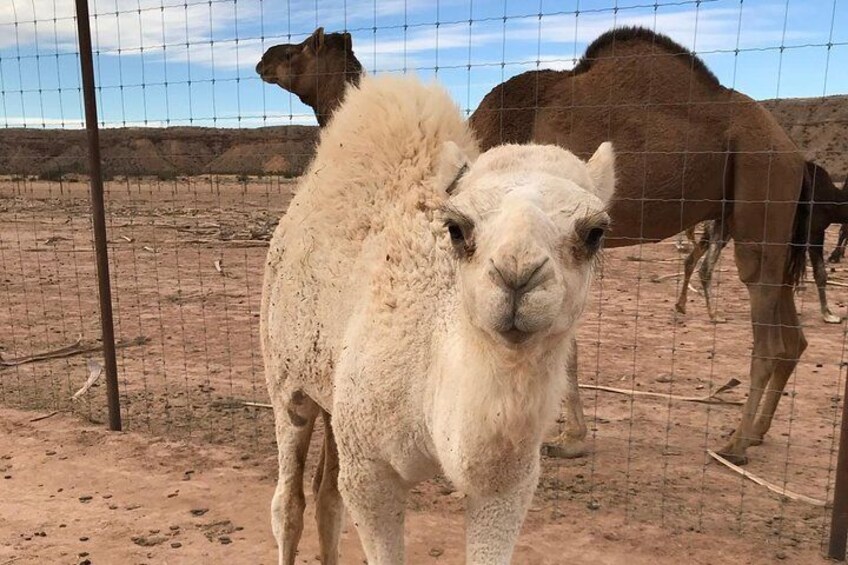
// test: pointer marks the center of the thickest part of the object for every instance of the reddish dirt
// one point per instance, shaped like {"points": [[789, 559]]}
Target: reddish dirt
{"points": [[647, 493]]}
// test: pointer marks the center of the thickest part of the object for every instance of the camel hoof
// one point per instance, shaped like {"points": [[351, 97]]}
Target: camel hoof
{"points": [[681, 308], [735, 458], [571, 450], [832, 319]]}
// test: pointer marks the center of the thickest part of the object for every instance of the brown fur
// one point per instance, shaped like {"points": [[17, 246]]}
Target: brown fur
{"points": [[317, 70]]}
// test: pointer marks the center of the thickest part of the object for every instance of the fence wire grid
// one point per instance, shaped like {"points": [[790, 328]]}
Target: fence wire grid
{"points": [[201, 157]]}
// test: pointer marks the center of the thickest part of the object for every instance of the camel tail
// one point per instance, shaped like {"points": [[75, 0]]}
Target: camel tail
{"points": [[797, 262]]}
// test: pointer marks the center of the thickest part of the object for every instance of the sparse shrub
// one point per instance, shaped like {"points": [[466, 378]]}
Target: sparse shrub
{"points": [[52, 175]]}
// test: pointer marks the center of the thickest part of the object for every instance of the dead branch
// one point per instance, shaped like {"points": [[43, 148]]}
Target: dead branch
{"points": [[256, 404], [44, 417], [709, 399], [762, 482], [76, 348]]}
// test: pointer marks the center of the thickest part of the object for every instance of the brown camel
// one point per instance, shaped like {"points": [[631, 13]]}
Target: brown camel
{"points": [[317, 70], [689, 150], [829, 205]]}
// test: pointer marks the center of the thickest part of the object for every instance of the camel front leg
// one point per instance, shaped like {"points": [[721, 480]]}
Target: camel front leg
{"points": [[375, 496], [494, 523], [571, 443]]}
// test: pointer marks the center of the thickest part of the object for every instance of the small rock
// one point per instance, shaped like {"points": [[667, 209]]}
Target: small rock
{"points": [[593, 505], [7, 477], [225, 540], [176, 544], [85, 562], [84, 538], [82, 554], [199, 511], [664, 379], [85, 498], [436, 551], [780, 555], [107, 496], [173, 528], [52, 453]]}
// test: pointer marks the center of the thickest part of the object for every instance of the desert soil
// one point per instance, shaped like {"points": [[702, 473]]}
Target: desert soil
{"points": [[187, 258]]}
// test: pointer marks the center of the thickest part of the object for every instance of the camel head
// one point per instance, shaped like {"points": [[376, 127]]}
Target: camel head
{"points": [[526, 224], [317, 70]]}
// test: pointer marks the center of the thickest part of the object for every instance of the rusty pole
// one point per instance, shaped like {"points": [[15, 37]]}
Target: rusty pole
{"points": [[98, 216], [839, 517]]}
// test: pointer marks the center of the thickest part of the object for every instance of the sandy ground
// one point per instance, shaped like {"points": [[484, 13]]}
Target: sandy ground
{"points": [[74, 492], [187, 259]]}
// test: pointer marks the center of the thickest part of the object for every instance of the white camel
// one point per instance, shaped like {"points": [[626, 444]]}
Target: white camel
{"points": [[426, 297]]}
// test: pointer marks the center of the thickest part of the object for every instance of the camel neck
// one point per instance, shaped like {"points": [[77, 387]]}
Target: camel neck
{"points": [[331, 93]]}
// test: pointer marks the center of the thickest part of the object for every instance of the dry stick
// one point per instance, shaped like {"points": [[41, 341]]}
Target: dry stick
{"points": [[44, 417], [709, 399], [95, 369], [77, 348], [762, 482], [228, 242], [835, 283], [660, 278], [257, 404]]}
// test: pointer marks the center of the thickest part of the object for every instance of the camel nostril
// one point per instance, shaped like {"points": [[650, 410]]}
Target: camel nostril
{"points": [[523, 278]]}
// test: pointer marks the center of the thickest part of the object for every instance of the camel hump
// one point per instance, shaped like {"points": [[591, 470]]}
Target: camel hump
{"points": [[618, 41]]}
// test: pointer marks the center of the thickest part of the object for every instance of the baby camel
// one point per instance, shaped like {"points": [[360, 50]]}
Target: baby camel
{"points": [[427, 298], [318, 71]]}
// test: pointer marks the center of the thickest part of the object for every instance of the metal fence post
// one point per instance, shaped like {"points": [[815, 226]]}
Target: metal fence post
{"points": [[98, 216], [839, 517]]}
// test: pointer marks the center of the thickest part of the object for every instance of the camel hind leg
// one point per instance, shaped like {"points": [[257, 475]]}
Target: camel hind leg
{"points": [[698, 250], [719, 235], [839, 251], [294, 426], [325, 486], [797, 343], [571, 443], [763, 226], [816, 253]]}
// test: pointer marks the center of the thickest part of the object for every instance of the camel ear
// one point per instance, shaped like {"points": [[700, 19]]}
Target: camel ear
{"points": [[453, 163], [602, 171], [348, 42], [316, 41]]}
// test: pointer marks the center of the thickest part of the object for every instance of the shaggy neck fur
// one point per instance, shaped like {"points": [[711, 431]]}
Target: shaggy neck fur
{"points": [[505, 398]]}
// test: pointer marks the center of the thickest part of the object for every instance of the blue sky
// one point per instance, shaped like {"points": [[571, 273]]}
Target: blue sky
{"points": [[190, 62]]}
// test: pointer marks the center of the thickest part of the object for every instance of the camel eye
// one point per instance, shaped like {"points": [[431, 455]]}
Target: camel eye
{"points": [[593, 239], [461, 238], [455, 232]]}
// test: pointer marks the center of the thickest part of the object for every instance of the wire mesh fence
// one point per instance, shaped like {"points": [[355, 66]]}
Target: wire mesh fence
{"points": [[203, 141]]}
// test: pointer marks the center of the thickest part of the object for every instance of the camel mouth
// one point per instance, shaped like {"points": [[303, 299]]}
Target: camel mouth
{"points": [[515, 336]]}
